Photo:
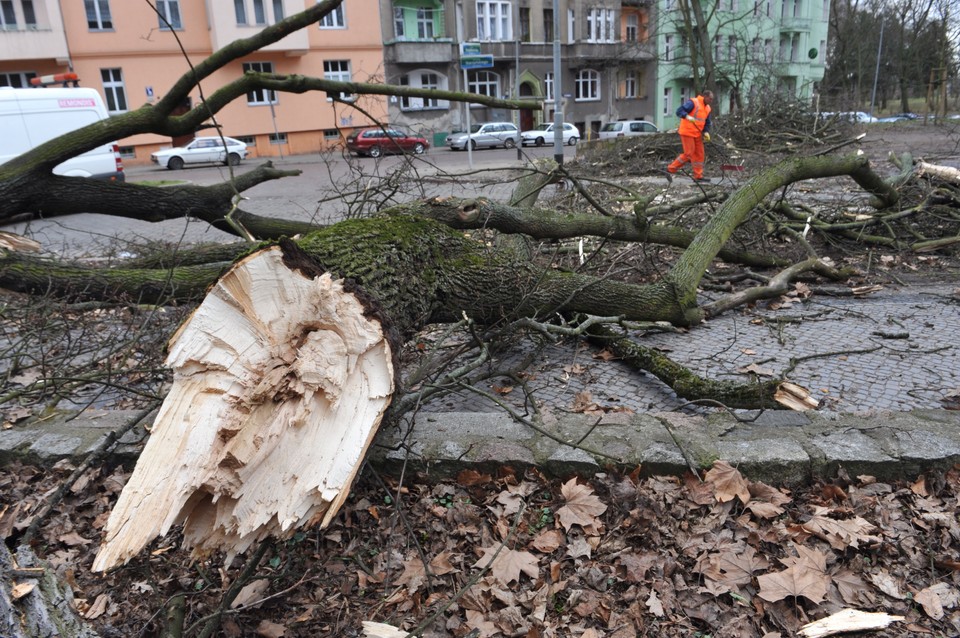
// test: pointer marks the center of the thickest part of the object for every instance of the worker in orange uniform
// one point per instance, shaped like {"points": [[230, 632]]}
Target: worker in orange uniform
{"points": [[694, 131]]}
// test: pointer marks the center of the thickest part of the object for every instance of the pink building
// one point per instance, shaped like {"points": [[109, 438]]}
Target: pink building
{"points": [[131, 55]]}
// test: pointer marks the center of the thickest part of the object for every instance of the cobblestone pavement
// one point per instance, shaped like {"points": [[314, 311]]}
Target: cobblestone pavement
{"points": [[896, 350]]}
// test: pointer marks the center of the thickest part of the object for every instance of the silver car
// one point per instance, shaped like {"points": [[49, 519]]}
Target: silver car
{"points": [[626, 128], [489, 134]]}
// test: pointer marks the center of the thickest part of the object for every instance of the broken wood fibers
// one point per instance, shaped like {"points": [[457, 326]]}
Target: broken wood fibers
{"points": [[281, 378]]}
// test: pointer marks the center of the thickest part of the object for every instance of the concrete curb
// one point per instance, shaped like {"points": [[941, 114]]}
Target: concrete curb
{"points": [[783, 448]]}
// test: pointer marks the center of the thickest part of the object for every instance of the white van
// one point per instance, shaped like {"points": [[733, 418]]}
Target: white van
{"points": [[30, 117]]}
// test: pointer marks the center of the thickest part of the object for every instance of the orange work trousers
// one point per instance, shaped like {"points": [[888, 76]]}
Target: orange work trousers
{"points": [[693, 153]]}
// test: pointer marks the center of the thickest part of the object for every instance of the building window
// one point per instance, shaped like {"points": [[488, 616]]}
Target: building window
{"points": [[631, 30], [169, 17], [128, 152], [484, 83], [260, 96], [278, 138], [822, 52], [399, 29], [718, 48], [331, 134], [548, 86], [571, 26], [669, 52], [524, 24], [424, 23], [668, 101], [114, 90], [338, 71], [423, 80], [249, 140], [795, 48], [548, 25], [18, 80], [587, 85], [494, 21], [825, 11], [768, 50], [600, 25], [278, 13], [29, 15], [8, 17], [240, 9], [732, 48], [631, 84], [259, 12], [334, 19], [98, 15]]}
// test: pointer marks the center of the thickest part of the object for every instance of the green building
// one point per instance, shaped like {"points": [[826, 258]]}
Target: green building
{"points": [[757, 46]]}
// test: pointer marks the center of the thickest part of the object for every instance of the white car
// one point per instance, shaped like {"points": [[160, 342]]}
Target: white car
{"points": [[202, 150], [627, 128], [543, 134], [491, 134]]}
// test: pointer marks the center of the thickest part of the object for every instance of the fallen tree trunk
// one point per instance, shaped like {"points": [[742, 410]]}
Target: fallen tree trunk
{"points": [[32, 601], [281, 378]]}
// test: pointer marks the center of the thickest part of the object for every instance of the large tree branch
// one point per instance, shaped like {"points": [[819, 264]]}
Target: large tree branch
{"points": [[547, 224]]}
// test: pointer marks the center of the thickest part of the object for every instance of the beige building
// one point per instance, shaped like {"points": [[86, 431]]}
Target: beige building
{"points": [[131, 55]]}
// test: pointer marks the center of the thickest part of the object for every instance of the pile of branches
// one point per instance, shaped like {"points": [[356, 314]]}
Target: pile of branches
{"points": [[777, 126]]}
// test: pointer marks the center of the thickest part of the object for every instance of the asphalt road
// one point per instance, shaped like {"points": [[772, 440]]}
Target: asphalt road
{"points": [[329, 187]]}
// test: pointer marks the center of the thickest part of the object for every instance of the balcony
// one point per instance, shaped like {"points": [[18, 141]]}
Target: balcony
{"points": [[795, 24], [33, 44], [432, 51], [595, 50]]}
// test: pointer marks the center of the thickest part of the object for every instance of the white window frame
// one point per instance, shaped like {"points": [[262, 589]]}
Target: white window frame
{"points": [[483, 82], [101, 14], [494, 21], [718, 48], [548, 86], [260, 13], [399, 26], [8, 16], [260, 96], [600, 25], [240, 11], [425, 27], [170, 10], [668, 101], [587, 86], [114, 90], [336, 19], [631, 27], [571, 26], [338, 71], [669, 50], [732, 48], [423, 79], [22, 79], [632, 84]]}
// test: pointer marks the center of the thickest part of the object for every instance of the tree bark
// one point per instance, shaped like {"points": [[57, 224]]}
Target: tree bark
{"points": [[46, 610]]}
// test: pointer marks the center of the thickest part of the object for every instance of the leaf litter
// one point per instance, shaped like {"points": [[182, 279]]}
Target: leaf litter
{"points": [[523, 555]]}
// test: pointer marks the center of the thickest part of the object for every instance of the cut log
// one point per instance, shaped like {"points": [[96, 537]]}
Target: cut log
{"points": [[281, 378]]}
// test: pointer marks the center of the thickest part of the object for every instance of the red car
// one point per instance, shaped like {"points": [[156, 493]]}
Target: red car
{"points": [[377, 141]]}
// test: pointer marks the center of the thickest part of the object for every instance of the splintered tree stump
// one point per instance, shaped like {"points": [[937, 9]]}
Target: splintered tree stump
{"points": [[281, 378]]}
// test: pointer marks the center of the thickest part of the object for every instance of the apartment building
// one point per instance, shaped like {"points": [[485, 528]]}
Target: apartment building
{"points": [[608, 59], [131, 54], [758, 46]]}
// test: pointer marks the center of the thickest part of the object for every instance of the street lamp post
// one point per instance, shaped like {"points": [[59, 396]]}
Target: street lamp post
{"points": [[557, 89]]}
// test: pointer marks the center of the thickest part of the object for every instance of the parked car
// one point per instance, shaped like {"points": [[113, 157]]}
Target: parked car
{"points": [[490, 134], [377, 141], [543, 134], [899, 117], [854, 117], [626, 128], [202, 150]]}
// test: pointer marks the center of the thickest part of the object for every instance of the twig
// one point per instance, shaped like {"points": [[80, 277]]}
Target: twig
{"points": [[101, 450]]}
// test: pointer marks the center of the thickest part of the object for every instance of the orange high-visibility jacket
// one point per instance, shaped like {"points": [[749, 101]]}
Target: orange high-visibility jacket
{"points": [[700, 112]]}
